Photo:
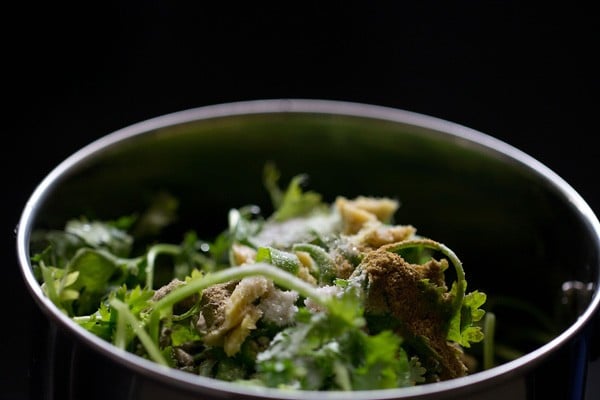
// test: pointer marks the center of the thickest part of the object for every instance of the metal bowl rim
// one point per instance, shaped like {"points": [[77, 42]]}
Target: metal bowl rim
{"points": [[311, 106]]}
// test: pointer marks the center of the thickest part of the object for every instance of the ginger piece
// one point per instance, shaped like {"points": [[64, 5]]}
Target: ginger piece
{"points": [[363, 210]]}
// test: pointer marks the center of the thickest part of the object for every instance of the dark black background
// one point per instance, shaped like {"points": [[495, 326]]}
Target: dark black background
{"points": [[523, 73]]}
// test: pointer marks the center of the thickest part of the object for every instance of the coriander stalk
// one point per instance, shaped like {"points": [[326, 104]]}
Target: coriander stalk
{"points": [[151, 257], [278, 276], [489, 327], [126, 316], [268, 271]]}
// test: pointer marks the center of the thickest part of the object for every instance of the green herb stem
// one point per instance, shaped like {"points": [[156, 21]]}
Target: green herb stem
{"points": [[278, 276], [154, 251], [82, 319], [489, 327], [164, 306], [137, 326], [120, 336]]}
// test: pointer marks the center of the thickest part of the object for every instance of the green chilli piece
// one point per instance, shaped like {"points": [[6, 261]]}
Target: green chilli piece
{"points": [[323, 260], [281, 259]]}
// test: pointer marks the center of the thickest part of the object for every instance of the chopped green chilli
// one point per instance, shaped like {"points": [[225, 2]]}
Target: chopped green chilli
{"points": [[314, 296]]}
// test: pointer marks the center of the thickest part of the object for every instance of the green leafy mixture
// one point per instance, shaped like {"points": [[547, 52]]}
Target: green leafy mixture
{"points": [[315, 296]]}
